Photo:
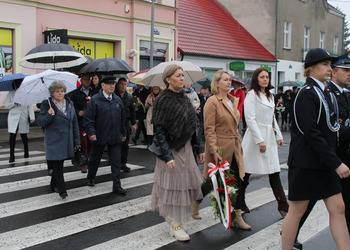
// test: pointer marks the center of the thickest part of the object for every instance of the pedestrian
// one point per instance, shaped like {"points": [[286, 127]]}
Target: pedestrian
{"points": [[288, 104], [237, 92], [95, 82], [130, 119], [314, 167], [259, 142], [221, 120], [104, 123], [192, 95], [141, 94], [61, 133], [339, 80], [177, 179], [203, 97], [18, 120], [149, 109], [279, 105], [81, 97]]}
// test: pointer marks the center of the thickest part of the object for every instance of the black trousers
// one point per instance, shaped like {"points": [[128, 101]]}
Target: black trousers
{"points": [[125, 146], [114, 151], [57, 179], [238, 182], [274, 179], [12, 141]]}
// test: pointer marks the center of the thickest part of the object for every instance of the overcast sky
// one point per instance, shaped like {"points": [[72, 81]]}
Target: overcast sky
{"points": [[344, 6]]}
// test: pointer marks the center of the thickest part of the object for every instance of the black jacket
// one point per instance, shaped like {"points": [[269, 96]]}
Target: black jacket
{"points": [[316, 148], [105, 119], [129, 107], [79, 98]]}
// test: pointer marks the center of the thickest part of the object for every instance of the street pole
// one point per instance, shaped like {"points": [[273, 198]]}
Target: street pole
{"points": [[152, 37]]}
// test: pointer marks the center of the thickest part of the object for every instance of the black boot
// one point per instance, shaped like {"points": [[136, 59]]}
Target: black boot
{"points": [[25, 145], [281, 199], [244, 205], [12, 142]]}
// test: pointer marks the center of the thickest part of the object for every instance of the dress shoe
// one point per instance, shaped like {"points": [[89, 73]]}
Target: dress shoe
{"points": [[119, 190], [84, 169], [297, 244], [125, 169], [90, 183], [63, 195]]}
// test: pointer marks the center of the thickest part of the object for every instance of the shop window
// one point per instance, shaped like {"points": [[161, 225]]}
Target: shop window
{"points": [[5, 51], [93, 49], [159, 53]]}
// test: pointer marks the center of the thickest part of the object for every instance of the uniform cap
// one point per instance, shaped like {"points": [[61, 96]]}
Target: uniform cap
{"points": [[317, 55]]}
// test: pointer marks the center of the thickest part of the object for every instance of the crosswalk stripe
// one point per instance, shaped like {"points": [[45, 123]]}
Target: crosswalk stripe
{"points": [[19, 154], [138, 146], [45, 180], [23, 160], [5, 150], [270, 238], [52, 199]]}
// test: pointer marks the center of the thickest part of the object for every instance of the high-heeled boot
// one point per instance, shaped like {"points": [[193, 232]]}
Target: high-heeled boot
{"points": [[12, 142], [244, 206], [240, 222], [25, 145], [195, 210], [281, 199]]}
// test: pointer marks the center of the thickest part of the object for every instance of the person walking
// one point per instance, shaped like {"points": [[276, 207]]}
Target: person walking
{"points": [[18, 120], [149, 110], [130, 119], [314, 168], [237, 92], [192, 95], [259, 142], [61, 133], [141, 93], [104, 123], [177, 179], [221, 120]]}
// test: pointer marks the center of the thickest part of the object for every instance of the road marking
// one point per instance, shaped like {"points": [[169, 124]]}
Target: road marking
{"points": [[138, 146], [5, 150], [45, 180], [20, 154], [23, 160]]}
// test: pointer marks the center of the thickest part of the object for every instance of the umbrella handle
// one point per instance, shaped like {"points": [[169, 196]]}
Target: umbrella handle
{"points": [[48, 99]]}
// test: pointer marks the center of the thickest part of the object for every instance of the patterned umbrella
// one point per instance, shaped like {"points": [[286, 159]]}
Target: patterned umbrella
{"points": [[7, 80], [138, 76]]}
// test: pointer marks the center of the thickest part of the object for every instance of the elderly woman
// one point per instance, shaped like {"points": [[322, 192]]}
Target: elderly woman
{"points": [[177, 179], [17, 121], [57, 117], [221, 119], [262, 137]]}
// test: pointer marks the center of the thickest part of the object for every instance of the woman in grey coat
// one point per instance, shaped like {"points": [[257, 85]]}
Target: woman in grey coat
{"points": [[57, 117]]}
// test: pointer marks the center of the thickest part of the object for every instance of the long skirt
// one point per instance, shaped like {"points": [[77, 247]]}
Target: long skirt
{"points": [[175, 189]]}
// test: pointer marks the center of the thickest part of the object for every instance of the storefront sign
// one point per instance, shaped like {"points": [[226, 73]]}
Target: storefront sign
{"points": [[93, 49], [56, 36], [237, 66], [266, 67]]}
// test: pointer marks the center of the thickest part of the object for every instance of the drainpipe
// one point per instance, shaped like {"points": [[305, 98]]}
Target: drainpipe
{"points": [[276, 43]]}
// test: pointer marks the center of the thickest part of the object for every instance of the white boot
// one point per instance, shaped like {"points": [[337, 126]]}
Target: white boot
{"points": [[177, 231]]}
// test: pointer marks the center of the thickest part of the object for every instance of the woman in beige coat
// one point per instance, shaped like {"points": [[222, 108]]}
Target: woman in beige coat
{"points": [[221, 118], [149, 107]]}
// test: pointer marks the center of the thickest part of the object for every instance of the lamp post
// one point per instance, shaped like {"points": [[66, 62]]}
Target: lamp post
{"points": [[152, 37]]}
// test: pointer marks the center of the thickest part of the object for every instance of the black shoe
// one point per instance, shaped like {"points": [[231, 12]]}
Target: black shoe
{"points": [[63, 195], [119, 190], [134, 140], [26, 155], [12, 158], [50, 172], [90, 183], [297, 244], [125, 169], [54, 189]]}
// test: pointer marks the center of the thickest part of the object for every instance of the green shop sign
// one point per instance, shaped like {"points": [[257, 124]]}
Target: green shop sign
{"points": [[266, 67], [237, 66]]}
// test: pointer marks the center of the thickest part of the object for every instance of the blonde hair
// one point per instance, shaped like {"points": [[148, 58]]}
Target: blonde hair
{"points": [[216, 78], [169, 71], [307, 71]]}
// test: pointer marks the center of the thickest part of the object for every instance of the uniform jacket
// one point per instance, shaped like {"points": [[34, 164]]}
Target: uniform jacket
{"points": [[315, 149], [105, 119], [261, 127], [18, 115], [221, 130], [78, 97], [129, 107], [61, 132], [344, 114]]}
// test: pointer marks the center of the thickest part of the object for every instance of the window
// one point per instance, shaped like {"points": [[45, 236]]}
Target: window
{"points": [[335, 45], [287, 35], [322, 40], [297, 76], [306, 38]]}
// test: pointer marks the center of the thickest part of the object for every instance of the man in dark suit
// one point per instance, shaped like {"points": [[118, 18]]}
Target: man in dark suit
{"points": [[104, 123], [130, 119], [141, 92]]}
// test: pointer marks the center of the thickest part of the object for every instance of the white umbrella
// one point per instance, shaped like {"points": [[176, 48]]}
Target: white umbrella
{"points": [[34, 88], [192, 73]]}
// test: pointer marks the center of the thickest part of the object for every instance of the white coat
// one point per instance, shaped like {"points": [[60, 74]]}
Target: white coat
{"points": [[18, 115], [259, 115]]}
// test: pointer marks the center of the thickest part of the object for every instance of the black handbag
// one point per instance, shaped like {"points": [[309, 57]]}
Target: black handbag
{"points": [[80, 158]]}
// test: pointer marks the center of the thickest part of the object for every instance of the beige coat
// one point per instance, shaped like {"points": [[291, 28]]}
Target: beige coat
{"points": [[221, 130], [149, 108]]}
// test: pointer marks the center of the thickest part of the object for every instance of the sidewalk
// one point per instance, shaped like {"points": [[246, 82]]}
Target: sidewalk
{"points": [[34, 133]]}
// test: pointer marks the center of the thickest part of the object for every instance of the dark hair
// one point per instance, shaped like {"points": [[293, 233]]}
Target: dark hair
{"points": [[122, 79], [254, 84]]}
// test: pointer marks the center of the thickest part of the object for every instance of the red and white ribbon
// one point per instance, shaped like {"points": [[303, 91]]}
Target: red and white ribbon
{"points": [[212, 169]]}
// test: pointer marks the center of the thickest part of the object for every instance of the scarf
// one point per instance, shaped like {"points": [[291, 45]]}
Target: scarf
{"points": [[175, 113]]}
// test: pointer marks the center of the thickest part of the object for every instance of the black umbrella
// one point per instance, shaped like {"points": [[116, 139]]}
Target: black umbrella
{"points": [[52, 56], [291, 83], [206, 82], [107, 66], [76, 69]]}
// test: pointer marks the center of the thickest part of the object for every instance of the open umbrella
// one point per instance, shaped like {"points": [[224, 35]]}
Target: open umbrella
{"points": [[291, 83], [206, 82], [138, 76], [192, 73], [107, 66], [52, 56], [34, 88], [76, 69], [236, 79], [7, 80]]}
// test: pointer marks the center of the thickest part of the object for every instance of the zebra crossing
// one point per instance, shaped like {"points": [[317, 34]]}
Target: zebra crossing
{"points": [[31, 216]]}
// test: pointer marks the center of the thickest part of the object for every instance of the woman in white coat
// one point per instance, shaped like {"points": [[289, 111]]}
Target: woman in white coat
{"points": [[18, 121], [259, 142]]}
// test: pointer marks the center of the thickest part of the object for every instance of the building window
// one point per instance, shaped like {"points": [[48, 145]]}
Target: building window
{"points": [[335, 45], [322, 39], [297, 76], [306, 38], [287, 35]]}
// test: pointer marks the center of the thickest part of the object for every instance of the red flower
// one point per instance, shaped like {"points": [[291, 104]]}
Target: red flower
{"points": [[221, 190], [230, 181]]}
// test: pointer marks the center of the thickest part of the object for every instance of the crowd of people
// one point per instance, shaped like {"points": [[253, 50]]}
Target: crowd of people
{"points": [[177, 122]]}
